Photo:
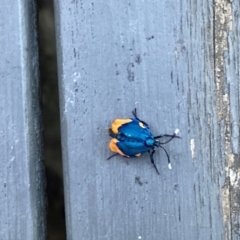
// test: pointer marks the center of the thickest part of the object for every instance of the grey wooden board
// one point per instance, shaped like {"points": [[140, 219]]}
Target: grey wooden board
{"points": [[157, 56], [22, 203], [232, 88]]}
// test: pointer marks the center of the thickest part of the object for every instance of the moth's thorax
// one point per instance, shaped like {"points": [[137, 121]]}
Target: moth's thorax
{"points": [[150, 142]]}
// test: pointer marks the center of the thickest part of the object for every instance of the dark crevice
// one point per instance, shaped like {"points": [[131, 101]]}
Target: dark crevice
{"points": [[56, 229]]}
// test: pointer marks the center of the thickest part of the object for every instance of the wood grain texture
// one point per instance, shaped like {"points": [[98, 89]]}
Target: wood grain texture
{"points": [[22, 199], [163, 58], [231, 62]]}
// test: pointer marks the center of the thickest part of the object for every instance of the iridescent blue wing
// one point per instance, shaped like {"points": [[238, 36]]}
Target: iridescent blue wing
{"points": [[132, 149], [135, 130]]}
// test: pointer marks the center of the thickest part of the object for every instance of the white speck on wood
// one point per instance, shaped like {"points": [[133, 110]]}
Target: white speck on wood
{"points": [[192, 147]]}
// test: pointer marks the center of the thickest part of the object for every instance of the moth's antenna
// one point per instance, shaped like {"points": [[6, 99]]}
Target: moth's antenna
{"points": [[168, 135], [177, 131], [169, 163]]}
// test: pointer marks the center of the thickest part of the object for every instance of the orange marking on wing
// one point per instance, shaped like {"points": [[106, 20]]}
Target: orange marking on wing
{"points": [[118, 123], [114, 148]]}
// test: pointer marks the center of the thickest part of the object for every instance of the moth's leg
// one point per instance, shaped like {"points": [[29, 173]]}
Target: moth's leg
{"points": [[152, 160]]}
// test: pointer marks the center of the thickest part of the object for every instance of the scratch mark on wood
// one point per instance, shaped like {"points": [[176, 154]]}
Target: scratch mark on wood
{"points": [[130, 71]]}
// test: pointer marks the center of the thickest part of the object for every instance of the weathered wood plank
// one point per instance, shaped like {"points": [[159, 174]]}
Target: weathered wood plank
{"points": [[230, 22], [161, 57], [22, 202]]}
